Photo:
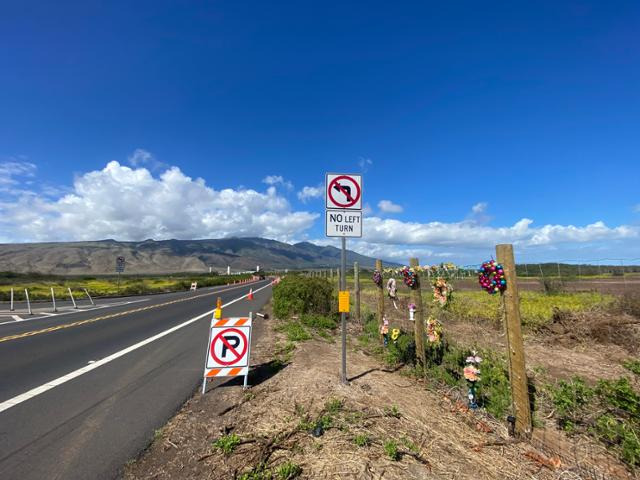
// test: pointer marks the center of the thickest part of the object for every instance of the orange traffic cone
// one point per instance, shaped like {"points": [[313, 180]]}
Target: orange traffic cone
{"points": [[250, 296]]}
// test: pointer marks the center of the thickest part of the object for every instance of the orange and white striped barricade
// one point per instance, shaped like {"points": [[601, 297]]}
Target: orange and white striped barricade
{"points": [[228, 349]]}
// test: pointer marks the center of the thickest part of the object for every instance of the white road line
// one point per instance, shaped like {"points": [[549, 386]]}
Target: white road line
{"points": [[34, 392], [17, 318], [71, 310]]}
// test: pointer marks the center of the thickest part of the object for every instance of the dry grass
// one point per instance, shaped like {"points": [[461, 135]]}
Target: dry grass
{"points": [[436, 435]]}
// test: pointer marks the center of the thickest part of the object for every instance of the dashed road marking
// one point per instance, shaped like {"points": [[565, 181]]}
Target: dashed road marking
{"points": [[105, 317], [34, 392]]}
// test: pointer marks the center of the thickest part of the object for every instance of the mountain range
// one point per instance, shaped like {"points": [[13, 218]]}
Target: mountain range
{"points": [[171, 256]]}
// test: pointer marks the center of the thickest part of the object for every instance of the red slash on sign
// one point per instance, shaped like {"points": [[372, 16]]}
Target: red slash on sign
{"points": [[346, 185], [229, 346]]}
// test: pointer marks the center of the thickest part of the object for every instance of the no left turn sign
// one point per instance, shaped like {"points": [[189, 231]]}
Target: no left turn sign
{"points": [[344, 191]]}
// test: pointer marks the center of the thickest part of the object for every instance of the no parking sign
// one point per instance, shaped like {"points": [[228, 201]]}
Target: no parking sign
{"points": [[229, 348]]}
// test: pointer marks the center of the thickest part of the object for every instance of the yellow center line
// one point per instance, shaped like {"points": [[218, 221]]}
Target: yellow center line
{"points": [[104, 317]]}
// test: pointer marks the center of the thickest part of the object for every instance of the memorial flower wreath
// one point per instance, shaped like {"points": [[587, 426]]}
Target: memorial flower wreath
{"points": [[409, 277], [377, 278], [441, 291], [491, 277]]}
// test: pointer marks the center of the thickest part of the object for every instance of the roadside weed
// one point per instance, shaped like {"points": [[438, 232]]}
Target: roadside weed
{"points": [[227, 444]]}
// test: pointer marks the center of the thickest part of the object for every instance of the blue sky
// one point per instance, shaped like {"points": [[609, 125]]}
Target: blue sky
{"points": [[464, 120]]}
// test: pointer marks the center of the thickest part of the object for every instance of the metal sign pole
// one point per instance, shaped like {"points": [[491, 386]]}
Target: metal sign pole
{"points": [[343, 287], [206, 355], [343, 218], [53, 299], [246, 377], [73, 300]]}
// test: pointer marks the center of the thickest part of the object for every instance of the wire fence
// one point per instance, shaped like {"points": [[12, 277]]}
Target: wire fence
{"points": [[578, 351]]}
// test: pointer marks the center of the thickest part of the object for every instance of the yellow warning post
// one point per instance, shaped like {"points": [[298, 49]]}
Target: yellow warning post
{"points": [[343, 301], [217, 314]]}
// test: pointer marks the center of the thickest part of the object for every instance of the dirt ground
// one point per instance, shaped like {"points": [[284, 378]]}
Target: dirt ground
{"points": [[590, 344], [564, 350], [435, 433]]}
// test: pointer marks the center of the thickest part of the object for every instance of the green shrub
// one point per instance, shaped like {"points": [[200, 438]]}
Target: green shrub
{"points": [[295, 331], [403, 350], [317, 321], [632, 366], [333, 405], [614, 407], [260, 472], [494, 388], [227, 443], [408, 443], [362, 440], [392, 411], [622, 435], [391, 449], [569, 398], [620, 394], [299, 295], [288, 471]]}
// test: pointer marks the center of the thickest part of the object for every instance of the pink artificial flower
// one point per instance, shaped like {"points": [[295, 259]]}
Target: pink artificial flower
{"points": [[471, 373]]}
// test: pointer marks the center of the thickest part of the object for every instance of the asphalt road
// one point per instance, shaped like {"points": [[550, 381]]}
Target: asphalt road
{"points": [[82, 393]]}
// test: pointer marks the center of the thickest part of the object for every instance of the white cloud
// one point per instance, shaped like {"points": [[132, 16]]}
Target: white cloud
{"points": [[468, 234], [479, 213], [11, 171], [274, 180], [364, 164], [142, 158], [367, 210], [469, 242], [139, 157], [479, 207], [310, 192], [131, 204], [387, 206], [636, 208]]}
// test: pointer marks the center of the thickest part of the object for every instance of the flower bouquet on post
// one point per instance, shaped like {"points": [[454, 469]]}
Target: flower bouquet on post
{"points": [[409, 277], [377, 278], [472, 375], [441, 292]]}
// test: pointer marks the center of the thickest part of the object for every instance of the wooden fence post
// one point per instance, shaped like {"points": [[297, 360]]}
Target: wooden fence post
{"points": [[380, 297], [356, 291], [515, 344], [416, 298]]}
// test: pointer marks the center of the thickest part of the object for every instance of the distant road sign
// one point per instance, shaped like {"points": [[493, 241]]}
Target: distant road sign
{"points": [[343, 191], [343, 223], [120, 264]]}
